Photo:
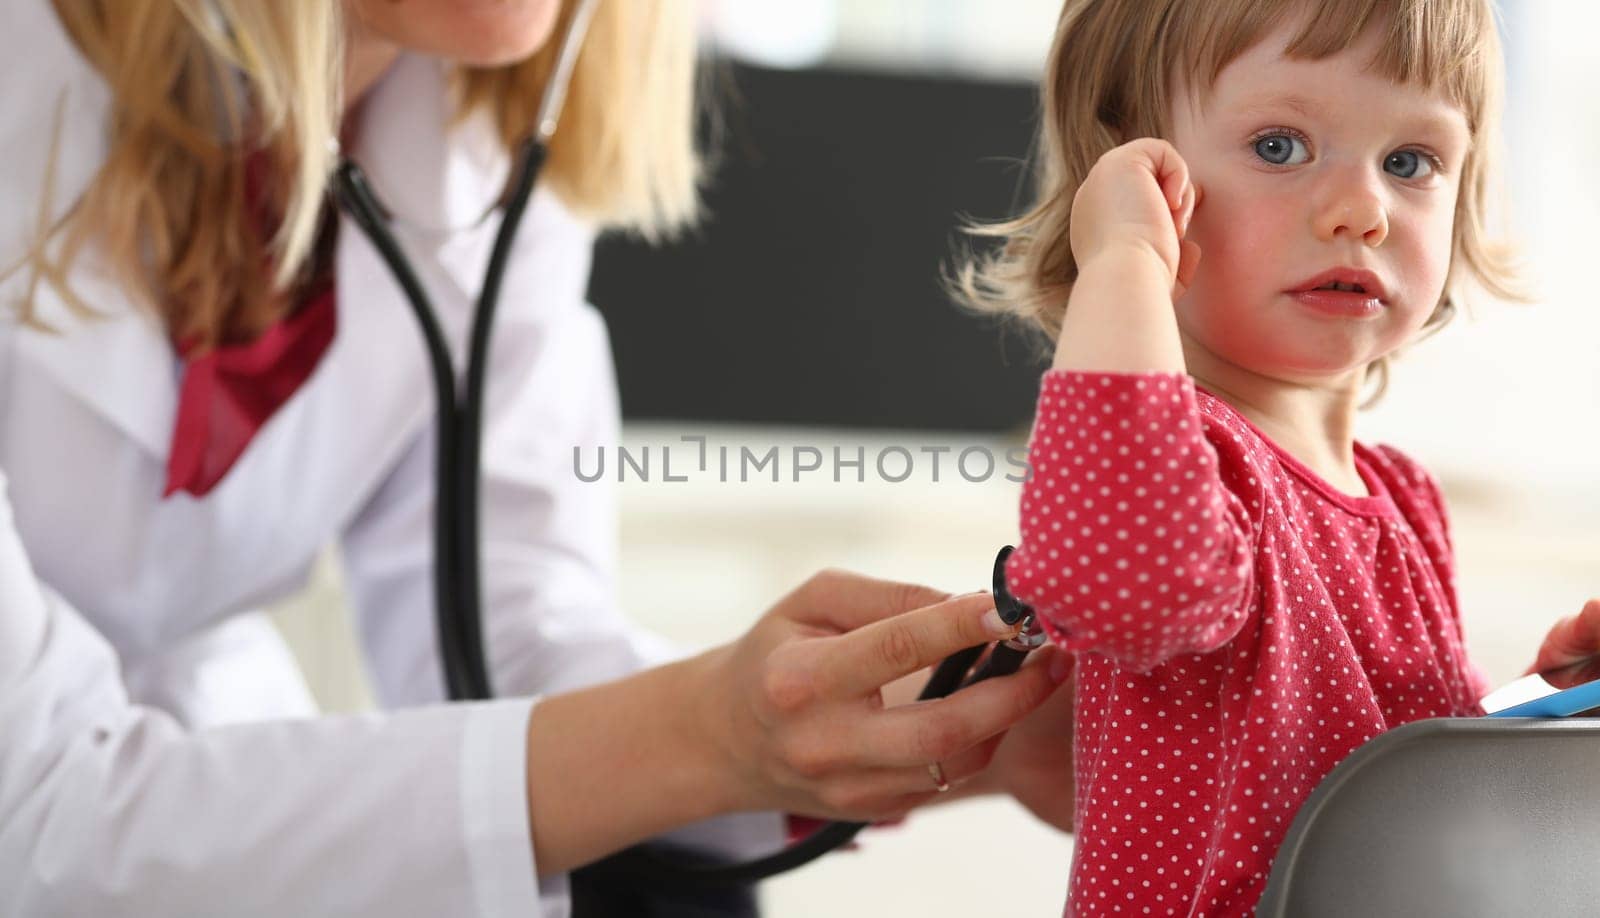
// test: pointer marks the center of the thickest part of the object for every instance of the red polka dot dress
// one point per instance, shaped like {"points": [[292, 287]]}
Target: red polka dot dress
{"points": [[1240, 627]]}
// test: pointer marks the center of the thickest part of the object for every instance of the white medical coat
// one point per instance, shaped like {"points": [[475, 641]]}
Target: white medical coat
{"points": [[158, 749]]}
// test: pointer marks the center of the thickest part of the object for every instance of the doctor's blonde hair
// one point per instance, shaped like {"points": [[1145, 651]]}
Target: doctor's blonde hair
{"points": [[199, 86], [1108, 79]]}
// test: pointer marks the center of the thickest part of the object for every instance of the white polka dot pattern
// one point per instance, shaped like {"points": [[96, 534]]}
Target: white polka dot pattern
{"points": [[1241, 626]]}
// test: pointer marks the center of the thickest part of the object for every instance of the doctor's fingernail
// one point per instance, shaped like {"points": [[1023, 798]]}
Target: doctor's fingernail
{"points": [[994, 624]]}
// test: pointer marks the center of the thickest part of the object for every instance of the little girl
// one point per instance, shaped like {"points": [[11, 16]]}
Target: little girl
{"points": [[1247, 207]]}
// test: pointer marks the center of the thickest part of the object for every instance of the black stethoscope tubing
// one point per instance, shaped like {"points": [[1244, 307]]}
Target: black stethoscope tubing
{"points": [[456, 540], [457, 578], [456, 572]]}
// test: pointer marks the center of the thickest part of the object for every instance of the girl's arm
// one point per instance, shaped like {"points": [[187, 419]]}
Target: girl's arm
{"points": [[1133, 544], [1135, 541], [1128, 221]]}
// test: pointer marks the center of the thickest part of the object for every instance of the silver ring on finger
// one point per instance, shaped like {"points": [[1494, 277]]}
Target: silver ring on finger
{"points": [[936, 772]]}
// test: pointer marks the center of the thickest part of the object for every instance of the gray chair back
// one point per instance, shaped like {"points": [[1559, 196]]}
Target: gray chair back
{"points": [[1465, 818]]}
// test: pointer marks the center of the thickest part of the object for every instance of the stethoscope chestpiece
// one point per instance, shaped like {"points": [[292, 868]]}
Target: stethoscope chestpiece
{"points": [[1007, 655], [1012, 610]]}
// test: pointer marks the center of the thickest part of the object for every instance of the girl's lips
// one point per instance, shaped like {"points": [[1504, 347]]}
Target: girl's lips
{"points": [[1341, 303]]}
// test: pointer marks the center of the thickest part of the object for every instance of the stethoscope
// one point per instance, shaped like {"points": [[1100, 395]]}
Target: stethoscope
{"points": [[456, 572], [455, 517]]}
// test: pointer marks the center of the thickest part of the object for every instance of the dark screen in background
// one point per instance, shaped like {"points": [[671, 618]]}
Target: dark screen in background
{"points": [[811, 294]]}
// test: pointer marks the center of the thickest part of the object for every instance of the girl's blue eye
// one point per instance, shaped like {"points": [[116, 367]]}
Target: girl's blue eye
{"points": [[1408, 162], [1279, 149]]}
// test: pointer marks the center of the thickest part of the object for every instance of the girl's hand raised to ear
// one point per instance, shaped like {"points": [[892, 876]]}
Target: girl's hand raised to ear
{"points": [[1138, 195], [1129, 219]]}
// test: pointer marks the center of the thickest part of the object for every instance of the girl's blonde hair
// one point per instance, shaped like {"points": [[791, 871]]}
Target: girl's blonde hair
{"points": [[200, 88], [1109, 79]]}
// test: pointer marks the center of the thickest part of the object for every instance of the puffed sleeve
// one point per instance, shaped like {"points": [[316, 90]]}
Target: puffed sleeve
{"points": [[107, 808], [1133, 544]]}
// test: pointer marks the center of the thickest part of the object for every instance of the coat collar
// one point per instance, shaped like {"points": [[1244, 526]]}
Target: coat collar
{"points": [[118, 360], [436, 183]]}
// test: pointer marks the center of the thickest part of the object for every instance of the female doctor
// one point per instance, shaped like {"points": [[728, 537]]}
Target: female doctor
{"points": [[206, 376]]}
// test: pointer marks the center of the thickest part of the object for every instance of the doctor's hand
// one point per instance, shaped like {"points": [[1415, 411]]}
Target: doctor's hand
{"points": [[1034, 762], [789, 717], [1570, 639], [797, 705]]}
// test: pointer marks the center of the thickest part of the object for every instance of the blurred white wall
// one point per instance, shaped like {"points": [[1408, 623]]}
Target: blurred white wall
{"points": [[1005, 39]]}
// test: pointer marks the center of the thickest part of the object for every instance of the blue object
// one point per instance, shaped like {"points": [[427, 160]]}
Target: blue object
{"points": [[1565, 703]]}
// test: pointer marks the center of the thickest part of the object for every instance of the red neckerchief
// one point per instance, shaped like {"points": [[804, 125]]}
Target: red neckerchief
{"points": [[227, 394]]}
